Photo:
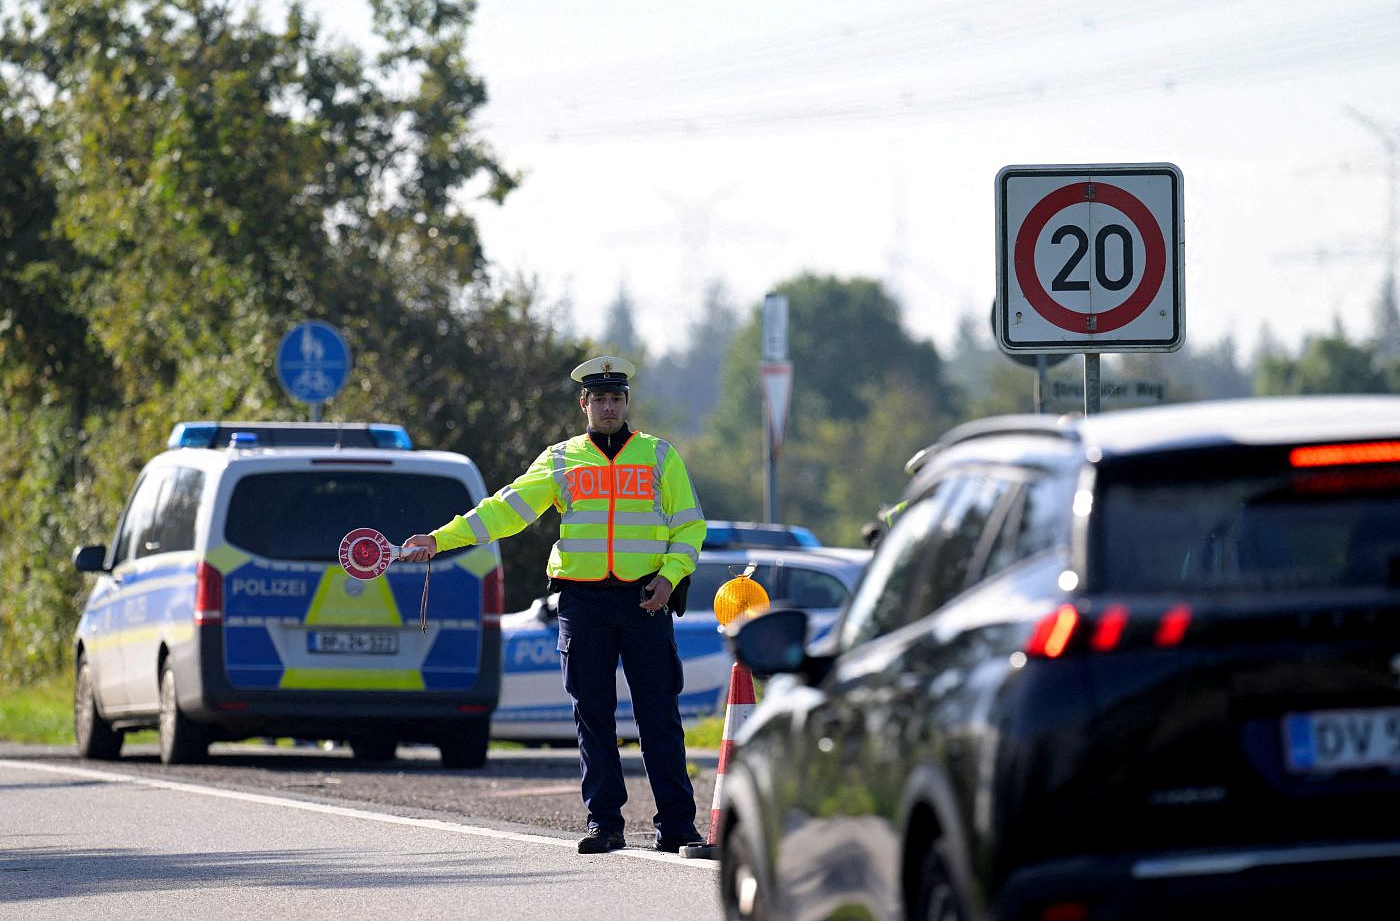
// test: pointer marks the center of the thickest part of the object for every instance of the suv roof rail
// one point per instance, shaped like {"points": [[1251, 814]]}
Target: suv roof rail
{"points": [[207, 434], [1017, 424]]}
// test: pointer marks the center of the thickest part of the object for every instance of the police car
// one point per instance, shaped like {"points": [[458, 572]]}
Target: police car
{"points": [[721, 534], [221, 611], [534, 707]]}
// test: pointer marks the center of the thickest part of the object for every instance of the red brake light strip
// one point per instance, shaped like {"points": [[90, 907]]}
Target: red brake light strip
{"points": [[1372, 452]]}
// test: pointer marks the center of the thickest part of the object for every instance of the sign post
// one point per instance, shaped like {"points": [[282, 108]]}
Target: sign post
{"points": [[313, 363], [775, 379], [1089, 260]]}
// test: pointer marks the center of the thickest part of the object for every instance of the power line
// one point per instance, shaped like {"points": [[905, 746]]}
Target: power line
{"points": [[1312, 46]]}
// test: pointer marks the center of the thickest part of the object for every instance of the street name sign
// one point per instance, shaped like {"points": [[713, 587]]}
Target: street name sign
{"points": [[1118, 392], [1089, 258]]}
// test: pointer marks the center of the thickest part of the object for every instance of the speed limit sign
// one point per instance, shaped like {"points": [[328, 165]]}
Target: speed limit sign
{"points": [[1089, 258]]}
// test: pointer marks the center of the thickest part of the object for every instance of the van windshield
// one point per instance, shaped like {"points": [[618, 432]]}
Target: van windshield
{"points": [[304, 515]]}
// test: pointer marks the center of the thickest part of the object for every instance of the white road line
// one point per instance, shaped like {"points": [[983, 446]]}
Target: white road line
{"points": [[263, 799]]}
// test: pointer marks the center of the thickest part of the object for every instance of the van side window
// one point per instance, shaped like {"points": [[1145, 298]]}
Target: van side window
{"points": [[136, 523], [176, 511]]}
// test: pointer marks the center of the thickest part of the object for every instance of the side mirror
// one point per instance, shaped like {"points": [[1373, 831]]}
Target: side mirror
{"points": [[772, 643], [92, 558]]}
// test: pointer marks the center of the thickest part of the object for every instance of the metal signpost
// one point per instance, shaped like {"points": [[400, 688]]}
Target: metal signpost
{"points": [[313, 363], [1040, 362], [1089, 260], [775, 378]]}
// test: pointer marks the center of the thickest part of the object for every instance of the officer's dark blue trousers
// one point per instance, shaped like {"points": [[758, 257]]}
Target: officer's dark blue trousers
{"points": [[598, 624]]}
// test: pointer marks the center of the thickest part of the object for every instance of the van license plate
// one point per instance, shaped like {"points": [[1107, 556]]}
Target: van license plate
{"points": [[1339, 740], [357, 641]]}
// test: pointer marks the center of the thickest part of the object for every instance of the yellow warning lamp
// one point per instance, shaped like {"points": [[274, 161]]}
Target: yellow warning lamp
{"points": [[741, 596]]}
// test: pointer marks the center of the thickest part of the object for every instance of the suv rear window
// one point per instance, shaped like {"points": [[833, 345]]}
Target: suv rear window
{"points": [[1221, 526], [303, 516]]}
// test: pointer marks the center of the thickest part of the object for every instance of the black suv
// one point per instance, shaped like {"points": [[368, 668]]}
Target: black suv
{"points": [[1140, 665]]}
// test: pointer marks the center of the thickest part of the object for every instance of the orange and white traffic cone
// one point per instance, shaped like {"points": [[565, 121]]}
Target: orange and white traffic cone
{"points": [[737, 711], [739, 597]]}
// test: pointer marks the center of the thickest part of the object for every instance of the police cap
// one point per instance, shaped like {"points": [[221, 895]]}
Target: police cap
{"points": [[604, 374]]}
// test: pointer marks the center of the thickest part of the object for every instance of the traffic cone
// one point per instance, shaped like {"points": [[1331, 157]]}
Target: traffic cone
{"points": [[736, 712]]}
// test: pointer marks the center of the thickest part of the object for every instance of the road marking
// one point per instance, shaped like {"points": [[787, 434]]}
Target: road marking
{"points": [[537, 791], [345, 811]]}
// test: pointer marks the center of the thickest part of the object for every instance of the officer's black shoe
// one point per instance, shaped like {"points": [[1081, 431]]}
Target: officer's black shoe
{"points": [[598, 841], [674, 845]]}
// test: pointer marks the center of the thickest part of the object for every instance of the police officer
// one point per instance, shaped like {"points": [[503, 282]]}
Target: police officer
{"points": [[630, 530]]}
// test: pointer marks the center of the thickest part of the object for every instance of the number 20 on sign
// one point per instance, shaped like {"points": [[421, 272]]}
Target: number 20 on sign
{"points": [[1089, 258]]}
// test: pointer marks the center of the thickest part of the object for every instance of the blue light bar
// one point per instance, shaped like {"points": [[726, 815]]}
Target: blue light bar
{"points": [[192, 435], [391, 436]]}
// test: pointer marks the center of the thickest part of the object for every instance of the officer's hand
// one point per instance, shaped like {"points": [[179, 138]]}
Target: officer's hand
{"points": [[660, 590], [418, 548]]}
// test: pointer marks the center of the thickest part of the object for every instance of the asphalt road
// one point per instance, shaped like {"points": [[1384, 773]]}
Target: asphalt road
{"points": [[536, 788], [303, 833]]}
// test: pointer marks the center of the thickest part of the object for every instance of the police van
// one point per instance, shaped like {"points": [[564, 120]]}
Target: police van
{"points": [[221, 610]]}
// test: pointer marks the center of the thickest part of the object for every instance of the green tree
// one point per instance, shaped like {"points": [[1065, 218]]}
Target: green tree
{"points": [[1193, 373], [620, 333], [682, 386], [865, 396], [1327, 364], [1387, 323], [180, 184]]}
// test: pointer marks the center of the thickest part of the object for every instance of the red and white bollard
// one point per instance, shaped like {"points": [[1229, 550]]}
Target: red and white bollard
{"points": [[737, 710]]}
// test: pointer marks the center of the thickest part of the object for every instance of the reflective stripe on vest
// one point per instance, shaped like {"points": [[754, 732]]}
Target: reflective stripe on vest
{"points": [[619, 546], [685, 516], [638, 518], [518, 504], [478, 528], [684, 548]]}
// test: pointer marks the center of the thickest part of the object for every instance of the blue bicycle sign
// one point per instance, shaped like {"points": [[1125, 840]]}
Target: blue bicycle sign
{"points": [[313, 362]]}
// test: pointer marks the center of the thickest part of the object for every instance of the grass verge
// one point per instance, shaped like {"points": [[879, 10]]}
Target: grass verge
{"points": [[40, 713], [708, 733]]}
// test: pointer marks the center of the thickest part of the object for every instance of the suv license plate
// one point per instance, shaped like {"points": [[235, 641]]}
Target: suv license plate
{"points": [[1339, 740], [360, 641]]}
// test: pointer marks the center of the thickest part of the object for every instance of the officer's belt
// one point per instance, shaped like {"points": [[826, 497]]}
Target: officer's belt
{"points": [[611, 581]]}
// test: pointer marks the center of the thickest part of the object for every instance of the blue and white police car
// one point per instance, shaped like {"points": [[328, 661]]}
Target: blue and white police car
{"points": [[533, 706], [221, 610]]}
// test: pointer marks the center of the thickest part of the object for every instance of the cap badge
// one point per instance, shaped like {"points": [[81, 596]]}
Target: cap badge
{"points": [[607, 367]]}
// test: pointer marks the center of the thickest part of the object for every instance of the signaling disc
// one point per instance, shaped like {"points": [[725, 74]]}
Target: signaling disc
{"points": [[365, 553]]}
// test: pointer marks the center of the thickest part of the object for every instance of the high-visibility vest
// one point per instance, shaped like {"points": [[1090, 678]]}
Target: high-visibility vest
{"points": [[629, 516], [888, 515]]}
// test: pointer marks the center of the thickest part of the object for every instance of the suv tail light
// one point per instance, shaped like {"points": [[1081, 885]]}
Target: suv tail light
{"points": [[1371, 452], [208, 594], [1066, 630], [493, 600], [1053, 632]]}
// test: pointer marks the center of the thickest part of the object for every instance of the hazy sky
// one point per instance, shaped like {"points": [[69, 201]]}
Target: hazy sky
{"points": [[665, 144]]}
